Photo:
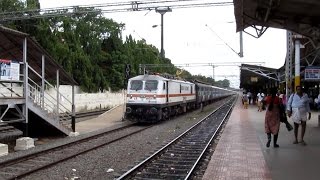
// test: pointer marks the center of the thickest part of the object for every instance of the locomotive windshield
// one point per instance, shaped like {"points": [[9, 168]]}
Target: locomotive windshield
{"points": [[151, 85], [136, 85]]}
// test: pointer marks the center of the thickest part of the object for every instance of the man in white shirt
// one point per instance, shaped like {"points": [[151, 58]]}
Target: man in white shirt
{"points": [[260, 97], [298, 107]]}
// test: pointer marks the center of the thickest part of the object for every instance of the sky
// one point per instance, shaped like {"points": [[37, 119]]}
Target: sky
{"points": [[198, 35]]}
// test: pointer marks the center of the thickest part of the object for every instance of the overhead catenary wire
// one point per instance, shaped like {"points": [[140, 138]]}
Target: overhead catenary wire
{"points": [[221, 39], [108, 8]]}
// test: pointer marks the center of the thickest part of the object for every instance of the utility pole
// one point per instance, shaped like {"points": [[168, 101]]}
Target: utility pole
{"points": [[162, 12]]}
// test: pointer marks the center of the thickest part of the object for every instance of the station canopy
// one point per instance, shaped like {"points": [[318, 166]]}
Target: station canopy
{"points": [[299, 16], [253, 77], [11, 48]]}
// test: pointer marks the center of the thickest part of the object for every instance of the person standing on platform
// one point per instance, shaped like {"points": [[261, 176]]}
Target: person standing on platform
{"points": [[298, 107], [249, 97], [272, 118]]}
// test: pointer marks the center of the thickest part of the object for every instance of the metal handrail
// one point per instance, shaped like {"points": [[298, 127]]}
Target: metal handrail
{"points": [[13, 91], [65, 115], [65, 108], [37, 95], [49, 84]]}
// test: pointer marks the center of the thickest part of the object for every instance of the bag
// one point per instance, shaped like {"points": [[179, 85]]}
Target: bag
{"points": [[283, 117]]}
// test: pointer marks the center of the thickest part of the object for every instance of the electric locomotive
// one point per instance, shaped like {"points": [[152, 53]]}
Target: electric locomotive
{"points": [[151, 98]]}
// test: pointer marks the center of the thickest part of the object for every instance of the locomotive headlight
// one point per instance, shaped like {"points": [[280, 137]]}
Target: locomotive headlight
{"points": [[130, 96], [128, 110], [154, 96]]}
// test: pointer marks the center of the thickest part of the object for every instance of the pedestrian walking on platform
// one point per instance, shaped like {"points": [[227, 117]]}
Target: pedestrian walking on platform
{"points": [[272, 118], [245, 101], [298, 107], [260, 97]]}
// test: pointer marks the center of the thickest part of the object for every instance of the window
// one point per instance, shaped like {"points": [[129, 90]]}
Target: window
{"points": [[136, 85], [151, 85], [164, 86]]}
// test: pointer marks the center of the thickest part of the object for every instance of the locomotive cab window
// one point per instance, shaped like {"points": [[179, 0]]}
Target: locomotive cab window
{"points": [[151, 85], [136, 85]]}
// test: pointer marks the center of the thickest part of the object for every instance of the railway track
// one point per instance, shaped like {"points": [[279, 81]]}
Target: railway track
{"points": [[179, 158], [22, 166], [90, 113]]}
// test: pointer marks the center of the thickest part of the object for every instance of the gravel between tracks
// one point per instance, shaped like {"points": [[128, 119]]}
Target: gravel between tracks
{"points": [[118, 156]]}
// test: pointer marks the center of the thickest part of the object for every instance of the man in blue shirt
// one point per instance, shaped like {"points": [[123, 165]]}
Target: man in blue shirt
{"points": [[298, 107]]}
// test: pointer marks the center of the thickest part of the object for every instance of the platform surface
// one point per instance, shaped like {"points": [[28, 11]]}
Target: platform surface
{"points": [[242, 153]]}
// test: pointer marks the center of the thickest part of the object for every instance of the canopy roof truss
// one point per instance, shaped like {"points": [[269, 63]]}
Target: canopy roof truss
{"points": [[300, 16]]}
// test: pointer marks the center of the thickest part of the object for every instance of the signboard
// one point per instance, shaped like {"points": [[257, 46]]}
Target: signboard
{"points": [[9, 70], [254, 79], [312, 73]]}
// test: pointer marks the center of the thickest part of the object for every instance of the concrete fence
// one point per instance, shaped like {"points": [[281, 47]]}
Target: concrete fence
{"points": [[89, 101], [83, 101]]}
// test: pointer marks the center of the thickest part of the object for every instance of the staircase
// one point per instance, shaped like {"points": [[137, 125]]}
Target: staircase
{"points": [[48, 107], [34, 96]]}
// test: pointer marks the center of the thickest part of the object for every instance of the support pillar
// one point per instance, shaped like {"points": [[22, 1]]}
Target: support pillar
{"points": [[297, 63], [241, 45], [288, 65], [73, 118], [58, 94], [26, 86], [213, 72], [42, 81]]}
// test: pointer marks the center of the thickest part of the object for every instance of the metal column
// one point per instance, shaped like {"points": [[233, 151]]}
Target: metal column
{"points": [[26, 86], [213, 72], [241, 45], [297, 63], [25, 76], [42, 81], [73, 117], [58, 94], [288, 66]]}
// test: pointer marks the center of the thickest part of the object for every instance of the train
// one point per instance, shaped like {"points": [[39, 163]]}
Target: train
{"points": [[152, 98]]}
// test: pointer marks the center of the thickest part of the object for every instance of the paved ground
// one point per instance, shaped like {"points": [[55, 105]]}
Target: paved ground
{"points": [[107, 119]]}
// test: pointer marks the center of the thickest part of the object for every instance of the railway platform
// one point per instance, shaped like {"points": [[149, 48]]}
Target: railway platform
{"points": [[241, 152], [112, 117]]}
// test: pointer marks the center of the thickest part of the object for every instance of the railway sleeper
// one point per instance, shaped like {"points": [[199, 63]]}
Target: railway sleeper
{"points": [[13, 169], [184, 151], [193, 147], [179, 156], [178, 159], [168, 169], [26, 165], [160, 165], [176, 163], [161, 176]]}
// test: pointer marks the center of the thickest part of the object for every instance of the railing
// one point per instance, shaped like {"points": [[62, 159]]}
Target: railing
{"points": [[12, 89], [48, 102], [35, 91]]}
